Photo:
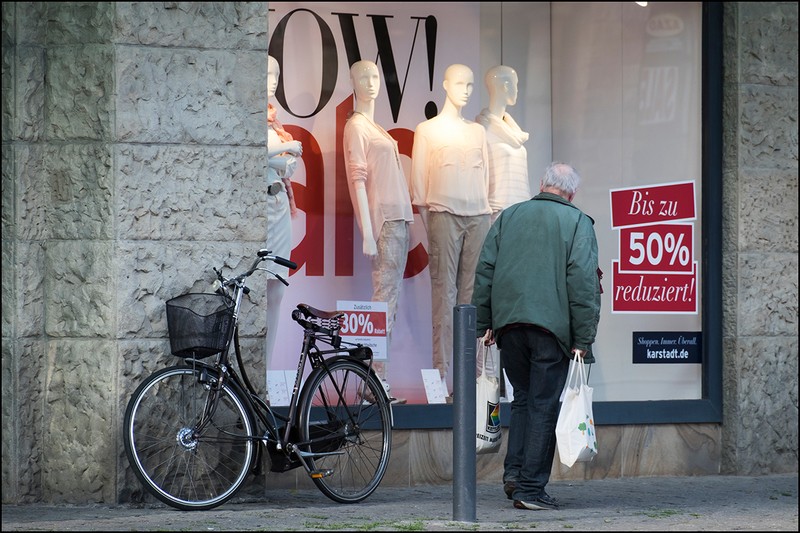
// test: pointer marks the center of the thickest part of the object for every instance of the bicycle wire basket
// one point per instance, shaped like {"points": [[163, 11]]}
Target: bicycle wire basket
{"points": [[199, 324]]}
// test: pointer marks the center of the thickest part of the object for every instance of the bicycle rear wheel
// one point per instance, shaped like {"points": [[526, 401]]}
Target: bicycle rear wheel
{"points": [[184, 467], [344, 413]]}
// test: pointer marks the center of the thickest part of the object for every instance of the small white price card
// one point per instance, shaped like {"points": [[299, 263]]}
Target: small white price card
{"points": [[434, 388], [280, 384]]}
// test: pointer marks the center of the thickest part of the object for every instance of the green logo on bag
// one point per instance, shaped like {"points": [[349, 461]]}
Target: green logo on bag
{"points": [[587, 426]]}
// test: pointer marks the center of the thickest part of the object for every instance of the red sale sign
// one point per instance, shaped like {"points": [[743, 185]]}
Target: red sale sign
{"points": [[656, 271], [364, 323], [654, 293], [657, 248], [636, 206]]}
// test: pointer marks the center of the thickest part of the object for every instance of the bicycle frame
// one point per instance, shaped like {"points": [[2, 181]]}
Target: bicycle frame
{"points": [[311, 354], [194, 431]]}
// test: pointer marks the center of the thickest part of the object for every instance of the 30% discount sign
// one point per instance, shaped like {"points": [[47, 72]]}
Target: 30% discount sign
{"points": [[367, 323], [657, 248]]}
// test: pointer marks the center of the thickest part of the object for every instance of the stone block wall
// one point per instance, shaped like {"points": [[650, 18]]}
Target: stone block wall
{"points": [[760, 231], [133, 161]]}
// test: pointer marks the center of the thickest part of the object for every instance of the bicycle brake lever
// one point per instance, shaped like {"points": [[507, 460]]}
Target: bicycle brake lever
{"points": [[281, 279]]}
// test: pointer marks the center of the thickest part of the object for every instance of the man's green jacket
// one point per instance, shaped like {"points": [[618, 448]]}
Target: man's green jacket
{"points": [[539, 266]]}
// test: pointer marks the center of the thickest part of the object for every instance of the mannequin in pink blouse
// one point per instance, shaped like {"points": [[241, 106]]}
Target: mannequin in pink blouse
{"points": [[379, 193]]}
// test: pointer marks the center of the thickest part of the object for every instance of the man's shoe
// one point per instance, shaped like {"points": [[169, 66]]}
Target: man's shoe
{"points": [[509, 487], [542, 503]]}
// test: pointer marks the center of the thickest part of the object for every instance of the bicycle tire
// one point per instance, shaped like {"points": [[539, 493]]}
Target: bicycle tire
{"points": [[186, 471], [356, 432]]}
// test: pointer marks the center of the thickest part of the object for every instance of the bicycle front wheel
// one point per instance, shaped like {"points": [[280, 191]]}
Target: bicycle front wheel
{"points": [[183, 465], [345, 421]]}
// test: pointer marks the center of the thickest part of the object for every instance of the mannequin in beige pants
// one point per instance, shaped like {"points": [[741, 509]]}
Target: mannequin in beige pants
{"points": [[449, 184]]}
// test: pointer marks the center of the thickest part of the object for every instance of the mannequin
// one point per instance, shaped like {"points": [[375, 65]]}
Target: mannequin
{"points": [[450, 186], [379, 193], [508, 159], [282, 152]]}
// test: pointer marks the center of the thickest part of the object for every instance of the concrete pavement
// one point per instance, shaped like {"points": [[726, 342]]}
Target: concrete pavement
{"points": [[706, 503]]}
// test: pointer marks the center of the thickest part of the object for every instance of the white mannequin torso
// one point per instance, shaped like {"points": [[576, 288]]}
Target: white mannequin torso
{"points": [[448, 169], [508, 158]]}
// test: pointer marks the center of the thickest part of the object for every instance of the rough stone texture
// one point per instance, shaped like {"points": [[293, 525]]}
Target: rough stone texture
{"points": [[768, 38], [8, 105], [80, 92], [81, 23], [80, 296], [133, 162], [760, 235], [769, 213], [163, 191], [31, 22], [730, 409], [768, 404], [79, 183], [80, 421], [28, 287], [191, 96], [28, 419], [226, 25], [29, 118], [153, 272], [9, 395], [768, 127], [9, 241], [768, 294], [32, 192]]}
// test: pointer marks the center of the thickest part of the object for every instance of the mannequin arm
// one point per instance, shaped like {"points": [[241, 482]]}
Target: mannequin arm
{"points": [[284, 164], [370, 247], [423, 214], [294, 148]]}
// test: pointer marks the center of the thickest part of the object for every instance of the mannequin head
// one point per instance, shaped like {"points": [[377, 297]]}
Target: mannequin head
{"points": [[501, 82], [366, 80], [273, 73], [458, 84]]}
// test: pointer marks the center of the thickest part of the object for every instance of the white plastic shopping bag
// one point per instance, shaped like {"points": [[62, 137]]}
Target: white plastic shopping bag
{"points": [[575, 430], [487, 400]]}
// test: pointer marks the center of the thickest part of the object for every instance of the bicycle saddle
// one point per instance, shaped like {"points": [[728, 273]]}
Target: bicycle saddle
{"points": [[307, 310]]}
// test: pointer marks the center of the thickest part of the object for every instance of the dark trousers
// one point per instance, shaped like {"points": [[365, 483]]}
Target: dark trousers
{"points": [[537, 369]]}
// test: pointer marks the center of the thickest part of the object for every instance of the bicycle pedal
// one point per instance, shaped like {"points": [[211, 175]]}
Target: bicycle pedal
{"points": [[317, 474]]}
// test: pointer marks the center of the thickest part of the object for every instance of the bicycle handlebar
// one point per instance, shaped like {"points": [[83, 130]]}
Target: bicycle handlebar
{"points": [[264, 254]]}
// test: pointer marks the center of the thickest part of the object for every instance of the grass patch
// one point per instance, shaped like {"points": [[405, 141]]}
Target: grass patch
{"points": [[662, 513], [416, 525]]}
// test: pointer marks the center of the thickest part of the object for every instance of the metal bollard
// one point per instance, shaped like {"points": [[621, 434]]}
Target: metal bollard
{"points": [[464, 430]]}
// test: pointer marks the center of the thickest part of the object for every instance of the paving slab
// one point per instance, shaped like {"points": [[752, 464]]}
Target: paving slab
{"points": [[703, 503]]}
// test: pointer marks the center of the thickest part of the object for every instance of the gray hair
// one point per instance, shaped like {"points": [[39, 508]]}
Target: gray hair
{"points": [[561, 176]]}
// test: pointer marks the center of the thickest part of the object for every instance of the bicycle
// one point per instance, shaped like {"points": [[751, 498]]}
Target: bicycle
{"points": [[195, 430]]}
